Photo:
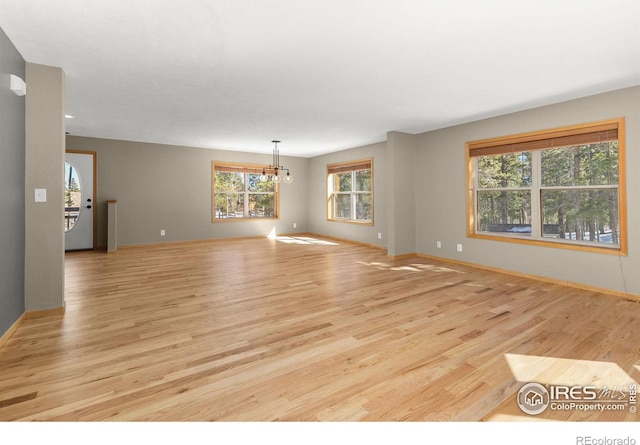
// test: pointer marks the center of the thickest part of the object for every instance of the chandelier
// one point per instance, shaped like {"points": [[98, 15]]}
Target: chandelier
{"points": [[275, 170]]}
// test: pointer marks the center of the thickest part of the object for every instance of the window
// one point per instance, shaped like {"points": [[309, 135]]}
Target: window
{"points": [[350, 192], [562, 187], [72, 196], [238, 193]]}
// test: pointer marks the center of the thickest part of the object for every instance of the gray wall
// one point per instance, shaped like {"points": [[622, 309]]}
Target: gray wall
{"points": [[163, 187], [440, 195], [401, 177], [44, 159], [317, 200], [12, 131]]}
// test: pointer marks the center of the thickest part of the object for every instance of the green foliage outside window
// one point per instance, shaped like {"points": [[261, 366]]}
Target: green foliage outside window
{"points": [[351, 192], [242, 195], [577, 188]]}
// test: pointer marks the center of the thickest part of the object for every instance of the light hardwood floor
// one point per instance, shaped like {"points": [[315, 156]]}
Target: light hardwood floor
{"points": [[305, 329]]}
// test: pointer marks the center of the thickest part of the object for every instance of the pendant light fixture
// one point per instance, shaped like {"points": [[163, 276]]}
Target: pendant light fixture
{"points": [[276, 170]]}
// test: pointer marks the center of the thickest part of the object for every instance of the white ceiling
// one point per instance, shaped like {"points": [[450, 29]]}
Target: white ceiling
{"points": [[321, 75]]}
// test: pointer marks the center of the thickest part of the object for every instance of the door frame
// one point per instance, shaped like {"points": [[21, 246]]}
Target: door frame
{"points": [[94, 207]]}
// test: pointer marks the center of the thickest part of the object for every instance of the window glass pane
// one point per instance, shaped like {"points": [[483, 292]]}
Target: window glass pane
{"points": [[504, 211], [229, 182], [262, 206], [572, 175], [255, 185], [363, 180], [594, 164], [241, 194], [501, 171], [343, 182], [342, 206], [229, 205], [72, 196], [363, 207], [587, 215], [350, 191]]}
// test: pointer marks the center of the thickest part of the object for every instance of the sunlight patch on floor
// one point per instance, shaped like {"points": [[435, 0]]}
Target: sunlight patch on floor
{"points": [[501, 417], [407, 268], [433, 268], [415, 267], [563, 371], [376, 264], [304, 240]]}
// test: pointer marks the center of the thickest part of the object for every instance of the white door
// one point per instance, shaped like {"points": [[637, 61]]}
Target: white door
{"points": [[79, 200]]}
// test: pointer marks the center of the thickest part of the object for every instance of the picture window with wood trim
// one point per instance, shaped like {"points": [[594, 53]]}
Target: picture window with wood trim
{"points": [[239, 194], [563, 186], [350, 192]]}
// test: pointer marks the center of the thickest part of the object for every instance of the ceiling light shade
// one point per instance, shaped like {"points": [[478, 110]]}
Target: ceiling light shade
{"points": [[17, 85], [275, 168]]}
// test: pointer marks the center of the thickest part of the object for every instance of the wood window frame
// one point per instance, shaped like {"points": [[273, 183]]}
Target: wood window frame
{"points": [[612, 129], [344, 167], [239, 167]]}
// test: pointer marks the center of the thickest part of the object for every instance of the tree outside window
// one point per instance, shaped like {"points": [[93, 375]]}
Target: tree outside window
{"points": [[238, 193], [350, 192], [563, 186]]}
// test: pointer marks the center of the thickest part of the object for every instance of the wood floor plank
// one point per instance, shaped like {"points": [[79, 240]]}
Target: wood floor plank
{"points": [[308, 329]]}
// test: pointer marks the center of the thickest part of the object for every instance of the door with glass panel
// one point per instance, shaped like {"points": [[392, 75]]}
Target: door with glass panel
{"points": [[79, 201]]}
